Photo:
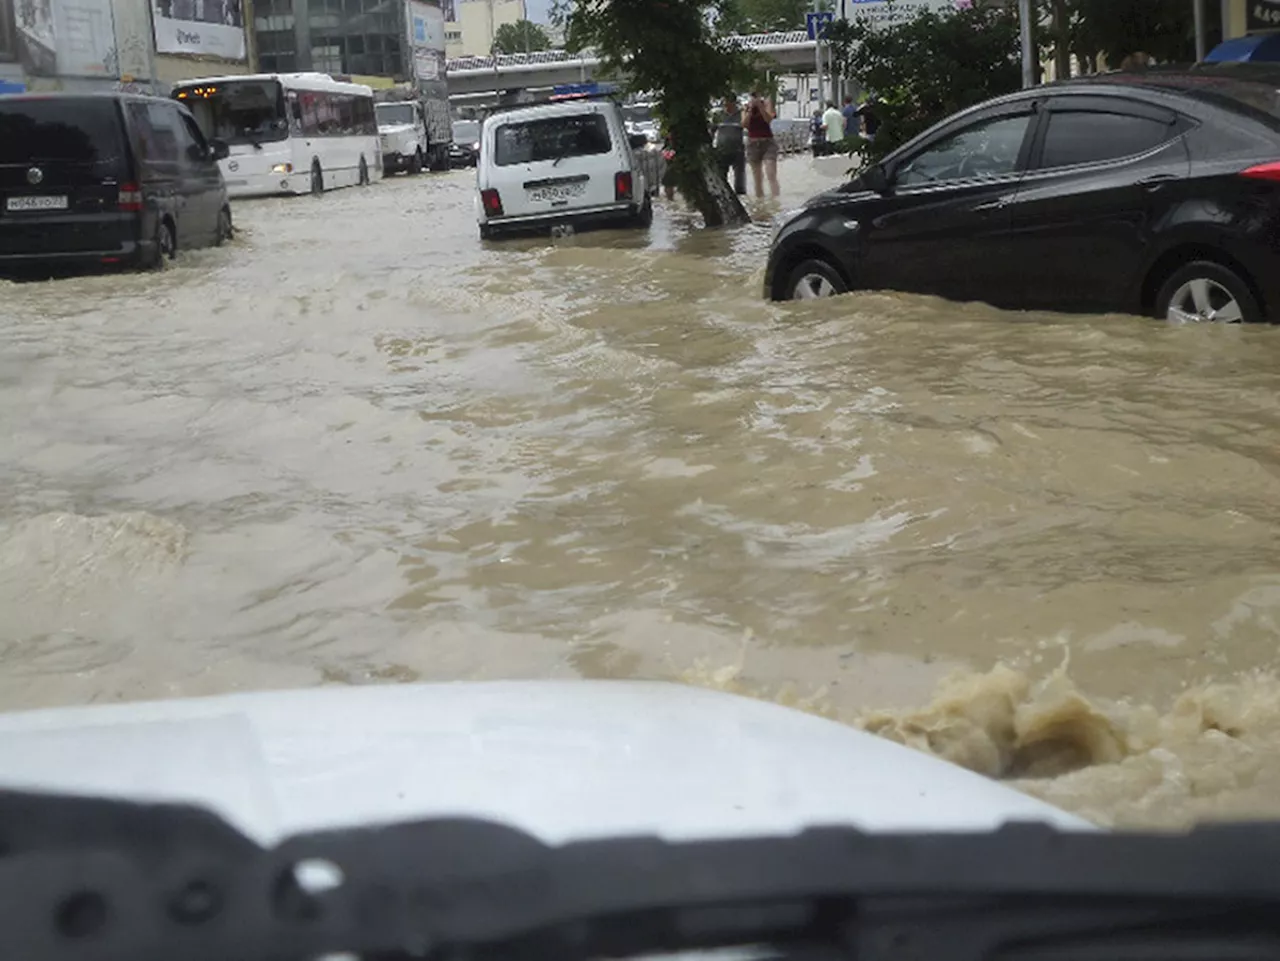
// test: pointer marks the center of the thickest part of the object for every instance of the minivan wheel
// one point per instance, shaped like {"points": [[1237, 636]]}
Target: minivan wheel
{"points": [[225, 230], [1207, 292], [317, 179], [813, 279], [166, 246]]}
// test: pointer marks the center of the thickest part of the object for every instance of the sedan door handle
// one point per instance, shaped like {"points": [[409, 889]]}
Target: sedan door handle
{"points": [[1156, 181], [992, 205]]}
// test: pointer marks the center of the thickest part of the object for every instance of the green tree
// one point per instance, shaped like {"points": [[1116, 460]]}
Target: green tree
{"points": [[675, 50], [927, 68], [523, 36]]}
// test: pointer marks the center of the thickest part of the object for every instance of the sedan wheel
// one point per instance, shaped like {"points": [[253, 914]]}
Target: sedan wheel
{"points": [[814, 279], [1206, 292]]}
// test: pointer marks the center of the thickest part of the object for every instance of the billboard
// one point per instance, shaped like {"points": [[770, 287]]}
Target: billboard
{"points": [[211, 27], [67, 38], [426, 40]]}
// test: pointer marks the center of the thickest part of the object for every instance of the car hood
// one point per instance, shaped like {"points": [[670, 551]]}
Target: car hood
{"points": [[561, 760], [391, 129]]}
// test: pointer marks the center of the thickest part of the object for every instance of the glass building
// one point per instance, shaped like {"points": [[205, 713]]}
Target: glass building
{"points": [[332, 36]]}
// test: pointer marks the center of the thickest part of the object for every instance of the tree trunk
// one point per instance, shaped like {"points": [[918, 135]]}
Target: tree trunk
{"points": [[709, 192]]}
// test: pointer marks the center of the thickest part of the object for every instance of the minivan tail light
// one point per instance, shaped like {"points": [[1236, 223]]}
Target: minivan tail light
{"points": [[1269, 171], [130, 197], [492, 202], [622, 185]]}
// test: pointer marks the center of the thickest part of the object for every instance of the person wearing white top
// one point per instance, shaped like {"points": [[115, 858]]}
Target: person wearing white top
{"points": [[833, 123]]}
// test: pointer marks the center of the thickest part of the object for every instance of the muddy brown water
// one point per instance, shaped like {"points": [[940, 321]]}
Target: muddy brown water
{"points": [[360, 446]]}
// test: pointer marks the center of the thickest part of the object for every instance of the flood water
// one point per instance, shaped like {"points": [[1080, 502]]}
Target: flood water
{"points": [[359, 446]]}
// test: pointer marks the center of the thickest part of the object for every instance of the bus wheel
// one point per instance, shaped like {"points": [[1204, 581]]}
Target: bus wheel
{"points": [[317, 178], [415, 162], [364, 173]]}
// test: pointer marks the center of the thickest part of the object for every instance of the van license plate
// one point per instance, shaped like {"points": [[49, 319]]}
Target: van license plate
{"points": [[37, 203], [558, 192]]}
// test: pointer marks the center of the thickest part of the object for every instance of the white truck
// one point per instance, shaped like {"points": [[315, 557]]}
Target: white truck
{"points": [[402, 131]]}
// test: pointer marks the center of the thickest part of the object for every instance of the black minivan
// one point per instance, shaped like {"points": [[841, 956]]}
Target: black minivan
{"points": [[106, 179]]}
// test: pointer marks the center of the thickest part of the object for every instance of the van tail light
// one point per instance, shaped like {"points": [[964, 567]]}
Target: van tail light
{"points": [[1269, 171], [492, 202], [130, 197], [622, 185]]}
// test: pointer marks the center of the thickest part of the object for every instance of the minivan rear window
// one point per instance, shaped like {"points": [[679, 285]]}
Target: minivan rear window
{"points": [[551, 138], [57, 129]]}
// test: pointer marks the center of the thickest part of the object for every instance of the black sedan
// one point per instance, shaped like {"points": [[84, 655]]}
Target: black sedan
{"points": [[1155, 193], [465, 149]]}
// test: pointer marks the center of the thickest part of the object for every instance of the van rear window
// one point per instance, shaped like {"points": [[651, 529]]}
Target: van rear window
{"points": [[551, 138], [81, 131]]}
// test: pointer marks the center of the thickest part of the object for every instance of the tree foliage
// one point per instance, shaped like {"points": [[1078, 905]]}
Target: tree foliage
{"points": [[673, 50], [929, 67], [523, 36], [1107, 31]]}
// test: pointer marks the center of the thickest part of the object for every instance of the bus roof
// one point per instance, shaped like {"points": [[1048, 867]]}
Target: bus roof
{"points": [[290, 81]]}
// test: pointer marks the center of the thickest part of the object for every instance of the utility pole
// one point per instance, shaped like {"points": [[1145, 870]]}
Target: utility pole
{"points": [[1026, 30], [1201, 43]]}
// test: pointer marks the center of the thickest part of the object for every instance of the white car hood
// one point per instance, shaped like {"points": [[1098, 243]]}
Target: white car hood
{"points": [[394, 129], [561, 760]]}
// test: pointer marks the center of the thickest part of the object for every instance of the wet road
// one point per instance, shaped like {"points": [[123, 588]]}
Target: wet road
{"points": [[359, 446]]}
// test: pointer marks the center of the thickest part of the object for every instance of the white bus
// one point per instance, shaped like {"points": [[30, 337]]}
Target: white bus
{"points": [[288, 133]]}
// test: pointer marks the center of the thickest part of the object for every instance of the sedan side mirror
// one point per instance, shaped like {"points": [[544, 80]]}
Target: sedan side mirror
{"points": [[875, 178], [639, 141], [218, 149]]}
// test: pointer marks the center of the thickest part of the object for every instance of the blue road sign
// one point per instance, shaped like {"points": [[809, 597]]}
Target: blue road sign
{"points": [[815, 24]]}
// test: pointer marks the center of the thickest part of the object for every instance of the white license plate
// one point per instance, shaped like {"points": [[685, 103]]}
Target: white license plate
{"points": [[37, 203], [558, 192]]}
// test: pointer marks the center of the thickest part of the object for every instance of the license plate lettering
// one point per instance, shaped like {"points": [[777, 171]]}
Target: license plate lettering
{"points": [[37, 203], [557, 192]]}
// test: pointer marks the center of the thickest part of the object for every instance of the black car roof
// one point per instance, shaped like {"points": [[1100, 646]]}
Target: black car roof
{"points": [[87, 95]]}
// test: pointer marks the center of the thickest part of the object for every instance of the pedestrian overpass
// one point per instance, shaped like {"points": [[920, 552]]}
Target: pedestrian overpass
{"points": [[476, 77]]}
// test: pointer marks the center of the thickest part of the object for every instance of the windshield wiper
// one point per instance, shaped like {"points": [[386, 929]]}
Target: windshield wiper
{"points": [[112, 881]]}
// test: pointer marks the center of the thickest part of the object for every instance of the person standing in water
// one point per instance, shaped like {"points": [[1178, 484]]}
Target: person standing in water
{"points": [[762, 149], [731, 152]]}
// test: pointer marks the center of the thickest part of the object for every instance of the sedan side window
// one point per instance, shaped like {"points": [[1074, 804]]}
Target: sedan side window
{"points": [[987, 149], [1091, 136]]}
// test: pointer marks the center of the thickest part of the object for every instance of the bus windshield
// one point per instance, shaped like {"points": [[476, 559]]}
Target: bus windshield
{"points": [[390, 113], [238, 111]]}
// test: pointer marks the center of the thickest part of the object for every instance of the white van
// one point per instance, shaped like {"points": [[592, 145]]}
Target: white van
{"points": [[568, 162]]}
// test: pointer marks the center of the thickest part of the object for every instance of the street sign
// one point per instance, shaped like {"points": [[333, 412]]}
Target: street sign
{"points": [[815, 24]]}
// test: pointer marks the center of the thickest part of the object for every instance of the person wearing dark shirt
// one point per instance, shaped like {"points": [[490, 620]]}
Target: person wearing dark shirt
{"points": [[731, 151], [870, 120]]}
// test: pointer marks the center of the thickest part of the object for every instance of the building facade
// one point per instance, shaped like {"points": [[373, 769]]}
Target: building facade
{"points": [[350, 37], [142, 45], [470, 32]]}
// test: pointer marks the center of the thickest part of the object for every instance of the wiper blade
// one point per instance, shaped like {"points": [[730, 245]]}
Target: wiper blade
{"points": [[156, 882]]}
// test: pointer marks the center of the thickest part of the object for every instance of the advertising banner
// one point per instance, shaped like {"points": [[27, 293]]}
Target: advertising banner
{"points": [[211, 27], [1262, 15], [133, 38], [67, 38], [85, 39], [426, 40]]}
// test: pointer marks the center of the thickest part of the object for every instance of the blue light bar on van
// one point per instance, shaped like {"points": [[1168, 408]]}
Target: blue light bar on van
{"points": [[580, 91]]}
